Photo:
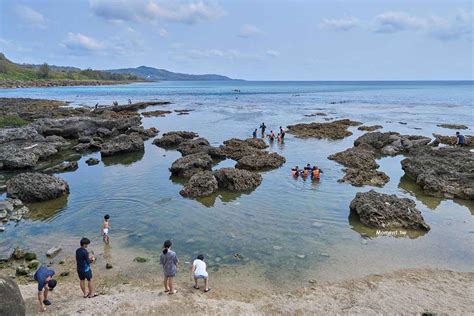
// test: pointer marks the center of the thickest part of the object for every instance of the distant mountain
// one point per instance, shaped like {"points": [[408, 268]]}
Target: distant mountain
{"points": [[152, 74]]}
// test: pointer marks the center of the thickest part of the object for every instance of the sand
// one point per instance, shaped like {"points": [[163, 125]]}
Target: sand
{"points": [[407, 291]]}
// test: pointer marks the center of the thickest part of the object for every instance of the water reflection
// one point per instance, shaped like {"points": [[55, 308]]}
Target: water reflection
{"points": [[48, 210], [123, 159], [369, 232]]}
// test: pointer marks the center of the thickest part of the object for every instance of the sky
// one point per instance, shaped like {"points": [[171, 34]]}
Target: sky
{"points": [[253, 40]]}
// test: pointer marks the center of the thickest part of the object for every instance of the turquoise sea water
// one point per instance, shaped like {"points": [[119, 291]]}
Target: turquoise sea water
{"points": [[272, 226]]}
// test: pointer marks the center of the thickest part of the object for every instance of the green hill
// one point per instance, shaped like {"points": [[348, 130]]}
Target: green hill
{"points": [[12, 71]]}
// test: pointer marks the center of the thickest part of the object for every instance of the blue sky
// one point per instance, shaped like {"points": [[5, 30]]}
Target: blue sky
{"points": [[255, 40]]}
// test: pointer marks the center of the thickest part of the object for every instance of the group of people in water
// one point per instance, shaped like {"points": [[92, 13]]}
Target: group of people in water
{"points": [[314, 172], [168, 260], [271, 136]]}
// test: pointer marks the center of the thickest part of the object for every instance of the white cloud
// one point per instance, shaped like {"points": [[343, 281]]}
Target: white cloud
{"points": [[30, 16], [461, 26], [193, 54], [391, 22], [342, 24], [81, 42], [188, 12], [163, 32], [248, 30], [272, 53]]}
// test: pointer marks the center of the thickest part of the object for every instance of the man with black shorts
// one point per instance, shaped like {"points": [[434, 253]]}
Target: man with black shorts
{"points": [[46, 283], [83, 261]]}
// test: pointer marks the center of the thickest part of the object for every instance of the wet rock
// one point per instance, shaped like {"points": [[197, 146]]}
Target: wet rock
{"points": [[18, 253], [12, 303], [173, 139], [375, 140], [22, 270], [369, 128], [33, 264], [52, 252], [122, 144], [356, 158], [200, 184], [380, 210], [63, 167], [136, 106], [237, 180], [30, 256], [144, 133], [390, 143], [186, 166], [2, 228], [332, 130], [361, 177], [193, 146], [34, 187], [263, 161], [316, 114], [13, 157], [446, 172], [159, 113], [92, 161], [14, 202], [237, 148], [6, 206], [3, 214], [64, 273], [140, 259], [108, 266], [453, 126]]}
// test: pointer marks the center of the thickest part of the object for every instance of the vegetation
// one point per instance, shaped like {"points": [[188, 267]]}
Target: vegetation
{"points": [[12, 71], [11, 121]]}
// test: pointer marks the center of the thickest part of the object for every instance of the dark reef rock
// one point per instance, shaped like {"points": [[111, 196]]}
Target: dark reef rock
{"points": [[186, 166], [237, 180], [122, 144], [263, 161], [333, 130], [200, 184], [385, 211], [35, 187]]}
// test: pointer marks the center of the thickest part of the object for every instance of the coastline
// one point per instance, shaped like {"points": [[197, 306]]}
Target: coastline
{"points": [[17, 84]]}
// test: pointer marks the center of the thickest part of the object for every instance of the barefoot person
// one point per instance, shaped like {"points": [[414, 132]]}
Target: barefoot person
{"points": [[83, 261], [46, 283], [169, 261], [198, 271]]}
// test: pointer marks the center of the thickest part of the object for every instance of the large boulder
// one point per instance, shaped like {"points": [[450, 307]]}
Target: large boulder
{"points": [[34, 187], [390, 143], [262, 161], [122, 144], [186, 166], [173, 139], [360, 177], [447, 172], [385, 211], [237, 148], [14, 157], [237, 180], [356, 158], [200, 145], [333, 130], [12, 303], [376, 140], [200, 184]]}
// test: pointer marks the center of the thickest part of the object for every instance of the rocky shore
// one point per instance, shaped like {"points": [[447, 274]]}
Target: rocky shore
{"points": [[9, 84]]}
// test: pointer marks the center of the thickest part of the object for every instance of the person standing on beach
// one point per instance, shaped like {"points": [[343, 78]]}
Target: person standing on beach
{"points": [[170, 263], [46, 283], [263, 127], [254, 134], [84, 271]]}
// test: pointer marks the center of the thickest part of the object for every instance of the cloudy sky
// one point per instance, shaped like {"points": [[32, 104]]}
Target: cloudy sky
{"points": [[250, 39]]}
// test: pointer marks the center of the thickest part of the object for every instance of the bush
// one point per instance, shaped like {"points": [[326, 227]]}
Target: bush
{"points": [[43, 71]]}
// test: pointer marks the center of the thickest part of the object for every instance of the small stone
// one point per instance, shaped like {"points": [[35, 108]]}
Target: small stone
{"points": [[238, 256], [108, 266], [33, 264], [18, 253], [92, 161], [2, 228], [317, 225], [301, 256], [312, 281], [30, 256], [64, 274], [218, 259], [324, 254], [140, 259], [61, 262], [3, 214], [53, 251], [277, 247], [22, 270]]}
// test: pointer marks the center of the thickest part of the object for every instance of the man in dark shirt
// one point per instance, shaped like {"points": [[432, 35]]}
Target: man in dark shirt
{"points": [[46, 283], [460, 141], [83, 261]]}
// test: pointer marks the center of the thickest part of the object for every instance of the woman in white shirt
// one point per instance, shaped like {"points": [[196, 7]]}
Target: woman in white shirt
{"points": [[199, 272]]}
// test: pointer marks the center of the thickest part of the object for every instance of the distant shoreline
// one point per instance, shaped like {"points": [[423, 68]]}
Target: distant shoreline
{"points": [[16, 84]]}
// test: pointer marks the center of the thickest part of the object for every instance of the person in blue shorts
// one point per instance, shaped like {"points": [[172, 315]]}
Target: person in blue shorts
{"points": [[46, 283], [84, 271]]}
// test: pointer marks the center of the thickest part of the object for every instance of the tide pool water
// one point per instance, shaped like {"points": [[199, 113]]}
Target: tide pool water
{"points": [[290, 228]]}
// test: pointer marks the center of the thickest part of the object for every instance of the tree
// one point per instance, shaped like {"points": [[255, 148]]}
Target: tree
{"points": [[43, 71]]}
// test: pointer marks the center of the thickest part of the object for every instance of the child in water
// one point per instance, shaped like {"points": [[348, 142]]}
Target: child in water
{"points": [[316, 173], [279, 138], [271, 136], [105, 228], [199, 272], [295, 172], [169, 261]]}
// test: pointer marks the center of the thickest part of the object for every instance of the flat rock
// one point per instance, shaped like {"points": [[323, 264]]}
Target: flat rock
{"points": [[92, 161], [63, 167], [369, 128], [122, 144], [361, 177], [453, 126], [173, 139], [236, 179], [159, 113], [52, 252], [447, 172], [263, 161], [332, 130], [187, 166], [34, 187], [12, 303], [200, 184], [380, 210], [356, 158]]}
